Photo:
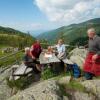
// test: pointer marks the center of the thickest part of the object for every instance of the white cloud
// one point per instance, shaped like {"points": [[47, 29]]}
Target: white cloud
{"points": [[69, 11], [23, 26]]}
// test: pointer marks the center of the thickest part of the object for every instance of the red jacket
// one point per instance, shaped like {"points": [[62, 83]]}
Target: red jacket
{"points": [[36, 50], [92, 67]]}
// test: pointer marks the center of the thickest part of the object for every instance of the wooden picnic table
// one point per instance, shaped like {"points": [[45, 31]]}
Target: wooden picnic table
{"points": [[48, 58]]}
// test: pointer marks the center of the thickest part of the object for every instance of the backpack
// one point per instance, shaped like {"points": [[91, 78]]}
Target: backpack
{"points": [[74, 68]]}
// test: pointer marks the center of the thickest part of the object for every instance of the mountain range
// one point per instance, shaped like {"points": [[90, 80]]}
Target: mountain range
{"points": [[73, 33]]}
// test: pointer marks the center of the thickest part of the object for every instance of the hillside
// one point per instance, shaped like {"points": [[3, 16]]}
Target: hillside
{"points": [[15, 38], [50, 86], [73, 33]]}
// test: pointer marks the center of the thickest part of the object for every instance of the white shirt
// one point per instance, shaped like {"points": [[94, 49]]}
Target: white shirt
{"points": [[61, 48]]}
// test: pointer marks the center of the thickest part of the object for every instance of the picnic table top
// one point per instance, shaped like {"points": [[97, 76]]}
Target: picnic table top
{"points": [[48, 58]]}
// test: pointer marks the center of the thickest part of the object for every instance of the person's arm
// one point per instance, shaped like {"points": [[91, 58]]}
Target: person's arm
{"points": [[63, 51], [53, 47], [32, 48], [98, 52], [98, 46], [86, 46], [64, 48]]}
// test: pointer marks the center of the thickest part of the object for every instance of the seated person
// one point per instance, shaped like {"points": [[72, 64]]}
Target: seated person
{"points": [[36, 49], [50, 50], [48, 53], [28, 61], [27, 57], [61, 50], [61, 54]]}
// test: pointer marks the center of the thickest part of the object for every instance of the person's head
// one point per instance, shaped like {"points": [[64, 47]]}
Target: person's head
{"points": [[49, 48], [91, 32], [37, 41], [27, 50], [60, 41]]}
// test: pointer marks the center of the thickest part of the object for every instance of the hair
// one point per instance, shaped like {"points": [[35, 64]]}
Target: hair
{"points": [[60, 40], [27, 49], [91, 30]]}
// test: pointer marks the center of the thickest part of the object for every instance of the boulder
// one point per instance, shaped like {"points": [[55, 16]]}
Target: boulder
{"points": [[78, 56], [64, 80], [78, 51], [78, 60], [92, 86], [83, 96], [4, 74], [65, 98], [46, 90], [5, 91]]}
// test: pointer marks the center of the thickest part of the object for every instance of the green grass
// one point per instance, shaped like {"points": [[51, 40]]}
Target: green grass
{"points": [[73, 86], [3, 54], [47, 73], [21, 83], [63, 90], [3, 46], [10, 60]]}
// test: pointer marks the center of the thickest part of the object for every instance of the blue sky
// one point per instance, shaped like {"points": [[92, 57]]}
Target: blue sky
{"points": [[36, 15], [20, 14]]}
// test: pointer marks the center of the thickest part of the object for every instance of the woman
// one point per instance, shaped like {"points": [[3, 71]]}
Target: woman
{"points": [[36, 50], [61, 54], [61, 49], [29, 62]]}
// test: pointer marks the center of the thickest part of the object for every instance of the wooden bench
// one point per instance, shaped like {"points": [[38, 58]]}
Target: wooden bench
{"points": [[22, 70]]}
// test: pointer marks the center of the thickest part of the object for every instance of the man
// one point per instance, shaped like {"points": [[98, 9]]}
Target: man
{"points": [[92, 61]]}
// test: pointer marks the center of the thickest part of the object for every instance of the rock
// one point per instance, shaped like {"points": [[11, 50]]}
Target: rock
{"points": [[46, 90], [78, 60], [64, 80], [5, 91], [78, 56], [83, 96], [92, 86], [80, 52], [65, 98], [5, 74]]}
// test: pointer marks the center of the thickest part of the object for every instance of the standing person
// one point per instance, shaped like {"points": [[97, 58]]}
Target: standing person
{"points": [[92, 62]]}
